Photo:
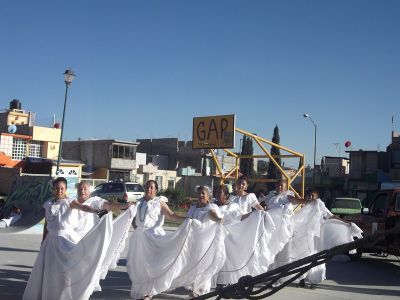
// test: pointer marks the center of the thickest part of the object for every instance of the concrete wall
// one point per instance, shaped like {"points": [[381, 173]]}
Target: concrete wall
{"points": [[190, 157], [96, 153], [175, 151], [13, 117], [100, 173], [7, 177], [165, 176], [163, 146], [189, 183], [335, 166], [50, 150], [161, 161], [46, 134], [140, 159], [123, 164]]}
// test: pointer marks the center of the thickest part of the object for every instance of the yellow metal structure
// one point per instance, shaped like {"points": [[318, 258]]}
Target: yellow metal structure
{"points": [[234, 172]]}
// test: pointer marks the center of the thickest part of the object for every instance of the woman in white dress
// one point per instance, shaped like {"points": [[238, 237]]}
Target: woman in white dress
{"points": [[121, 224], [282, 196], [88, 221], [246, 201], [159, 260], [204, 210], [250, 249], [230, 210], [65, 269], [315, 229], [209, 215]]}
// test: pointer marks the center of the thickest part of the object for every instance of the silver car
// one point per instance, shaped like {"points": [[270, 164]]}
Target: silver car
{"points": [[119, 191]]}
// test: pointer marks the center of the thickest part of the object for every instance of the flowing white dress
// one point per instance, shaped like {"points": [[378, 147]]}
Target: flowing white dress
{"points": [[65, 268], [121, 226], [231, 213], [159, 260], [253, 243], [277, 200], [313, 231], [246, 202], [86, 221]]}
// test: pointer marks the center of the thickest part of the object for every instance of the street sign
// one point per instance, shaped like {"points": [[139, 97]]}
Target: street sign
{"points": [[214, 132]]}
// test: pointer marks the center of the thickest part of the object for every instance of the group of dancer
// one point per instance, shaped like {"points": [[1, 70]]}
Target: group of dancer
{"points": [[218, 242]]}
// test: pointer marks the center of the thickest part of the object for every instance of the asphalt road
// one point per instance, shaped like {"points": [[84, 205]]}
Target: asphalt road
{"points": [[369, 278]]}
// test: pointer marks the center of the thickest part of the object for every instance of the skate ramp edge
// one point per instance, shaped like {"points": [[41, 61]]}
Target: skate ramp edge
{"points": [[29, 194]]}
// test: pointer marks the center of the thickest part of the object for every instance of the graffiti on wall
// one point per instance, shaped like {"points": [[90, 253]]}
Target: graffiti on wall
{"points": [[29, 194]]}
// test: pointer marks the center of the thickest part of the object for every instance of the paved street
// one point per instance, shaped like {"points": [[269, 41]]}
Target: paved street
{"points": [[370, 278]]}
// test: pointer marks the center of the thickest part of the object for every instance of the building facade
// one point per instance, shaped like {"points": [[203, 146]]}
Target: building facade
{"points": [[104, 159], [27, 149], [20, 138]]}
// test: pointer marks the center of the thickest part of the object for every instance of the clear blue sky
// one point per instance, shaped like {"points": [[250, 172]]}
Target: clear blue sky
{"points": [[146, 68]]}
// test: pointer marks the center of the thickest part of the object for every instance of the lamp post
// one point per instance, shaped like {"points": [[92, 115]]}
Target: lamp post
{"points": [[315, 142], [68, 77]]}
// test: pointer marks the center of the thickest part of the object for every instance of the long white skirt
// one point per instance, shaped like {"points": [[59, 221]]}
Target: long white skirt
{"points": [[253, 243], [311, 234], [333, 233], [121, 226], [191, 255], [64, 270]]}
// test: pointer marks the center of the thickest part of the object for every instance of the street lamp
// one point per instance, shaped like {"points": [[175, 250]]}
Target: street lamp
{"points": [[68, 77], [315, 142]]}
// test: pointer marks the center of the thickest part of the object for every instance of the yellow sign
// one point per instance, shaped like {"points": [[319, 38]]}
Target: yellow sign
{"points": [[214, 132]]}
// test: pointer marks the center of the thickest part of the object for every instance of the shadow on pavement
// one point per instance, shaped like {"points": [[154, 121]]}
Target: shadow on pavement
{"points": [[12, 283], [122, 262], [117, 285], [20, 266], [368, 291], [17, 250], [355, 275]]}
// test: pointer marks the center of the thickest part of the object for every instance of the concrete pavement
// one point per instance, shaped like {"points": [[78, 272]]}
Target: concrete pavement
{"points": [[370, 278]]}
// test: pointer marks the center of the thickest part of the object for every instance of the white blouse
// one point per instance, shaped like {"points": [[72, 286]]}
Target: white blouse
{"points": [[232, 213], [246, 202], [277, 200], [88, 220], [202, 213], [61, 219], [149, 212]]}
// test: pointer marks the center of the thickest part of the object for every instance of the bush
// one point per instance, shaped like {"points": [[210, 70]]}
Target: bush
{"points": [[175, 197]]}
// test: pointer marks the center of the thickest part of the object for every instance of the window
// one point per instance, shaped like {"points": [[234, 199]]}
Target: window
{"points": [[159, 180], [347, 203], [397, 203], [18, 149], [171, 184], [124, 152], [113, 187], [396, 159], [133, 187], [119, 175], [379, 205], [35, 148]]}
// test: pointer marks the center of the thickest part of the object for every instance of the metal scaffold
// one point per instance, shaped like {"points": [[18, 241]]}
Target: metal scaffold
{"points": [[234, 172]]}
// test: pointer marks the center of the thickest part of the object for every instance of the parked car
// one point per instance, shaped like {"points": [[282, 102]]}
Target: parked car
{"points": [[346, 206], [119, 191], [383, 213]]}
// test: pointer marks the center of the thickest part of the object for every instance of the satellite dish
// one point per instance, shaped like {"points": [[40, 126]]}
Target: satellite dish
{"points": [[12, 128]]}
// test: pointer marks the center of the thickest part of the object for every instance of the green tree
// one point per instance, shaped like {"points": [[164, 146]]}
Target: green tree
{"points": [[247, 164], [273, 172], [262, 167]]}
